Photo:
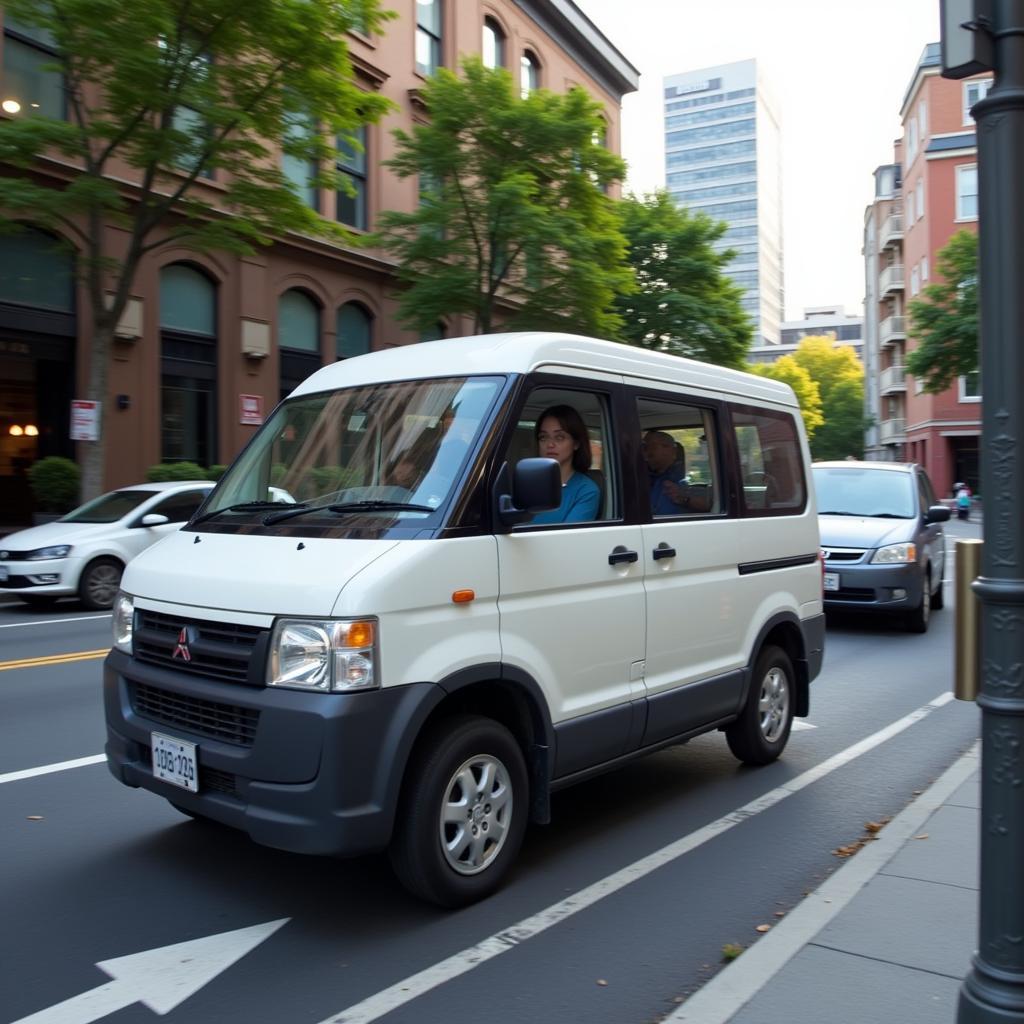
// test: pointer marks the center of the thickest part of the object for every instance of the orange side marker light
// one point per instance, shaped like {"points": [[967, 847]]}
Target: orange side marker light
{"points": [[463, 596]]}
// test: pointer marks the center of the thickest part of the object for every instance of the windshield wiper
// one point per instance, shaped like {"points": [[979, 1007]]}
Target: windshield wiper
{"points": [[836, 512], [242, 505], [348, 506]]}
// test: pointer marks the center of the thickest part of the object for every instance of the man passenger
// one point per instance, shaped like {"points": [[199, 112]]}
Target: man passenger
{"points": [[667, 469]]}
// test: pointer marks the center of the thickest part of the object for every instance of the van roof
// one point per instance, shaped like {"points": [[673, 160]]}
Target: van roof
{"points": [[529, 351]]}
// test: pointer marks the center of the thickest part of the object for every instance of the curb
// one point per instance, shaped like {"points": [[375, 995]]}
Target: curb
{"points": [[735, 985]]}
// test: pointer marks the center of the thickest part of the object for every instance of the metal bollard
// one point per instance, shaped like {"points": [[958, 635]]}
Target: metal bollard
{"points": [[967, 656]]}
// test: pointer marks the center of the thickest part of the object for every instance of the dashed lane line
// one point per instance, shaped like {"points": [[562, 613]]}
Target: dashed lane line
{"points": [[54, 622]]}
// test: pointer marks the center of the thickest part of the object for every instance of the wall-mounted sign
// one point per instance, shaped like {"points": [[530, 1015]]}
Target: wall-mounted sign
{"points": [[250, 410], [85, 420]]}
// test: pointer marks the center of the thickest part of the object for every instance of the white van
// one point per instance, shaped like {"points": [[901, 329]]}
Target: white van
{"points": [[447, 626]]}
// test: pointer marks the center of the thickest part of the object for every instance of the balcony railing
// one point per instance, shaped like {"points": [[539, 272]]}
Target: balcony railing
{"points": [[892, 328], [892, 229], [893, 378], [891, 279], [892, 431]]}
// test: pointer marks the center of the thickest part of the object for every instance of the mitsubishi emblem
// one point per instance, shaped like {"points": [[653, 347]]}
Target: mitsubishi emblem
{"points": [[182, 648]]}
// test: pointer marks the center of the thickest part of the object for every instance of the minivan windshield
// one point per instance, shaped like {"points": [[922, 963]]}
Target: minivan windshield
{"points": [[857, 491], [378, 453]]}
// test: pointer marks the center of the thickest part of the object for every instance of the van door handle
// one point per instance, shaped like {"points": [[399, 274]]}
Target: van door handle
{"points": [[620, 553], [663, 551]]}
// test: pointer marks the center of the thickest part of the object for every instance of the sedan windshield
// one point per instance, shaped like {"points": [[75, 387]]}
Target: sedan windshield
{"points": [[855, 491], [379, 454], [108, 508]]}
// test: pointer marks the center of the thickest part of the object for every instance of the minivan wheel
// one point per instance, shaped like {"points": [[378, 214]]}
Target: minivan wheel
{"points": [[99, 583], [463, 812], [917, 620], [761, 732]]}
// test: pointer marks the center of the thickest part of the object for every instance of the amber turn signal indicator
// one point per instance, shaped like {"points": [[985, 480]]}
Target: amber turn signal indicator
{"points": [[463, 596], [360, 634]]}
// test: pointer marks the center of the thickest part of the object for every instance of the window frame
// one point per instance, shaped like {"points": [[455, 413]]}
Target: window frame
{"points": [[529, 59], [753, 512], [982, 85], [434, 40], [47, 52], [962, 385], [960, 194], [492, 25], [360, 178]]}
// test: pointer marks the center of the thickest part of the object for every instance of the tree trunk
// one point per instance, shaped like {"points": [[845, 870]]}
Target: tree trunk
{"points": [[92, 454]]}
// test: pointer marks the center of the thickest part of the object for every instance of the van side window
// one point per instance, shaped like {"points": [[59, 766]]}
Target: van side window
{"points": [[679, 447], [771, 468], [530, 440]]}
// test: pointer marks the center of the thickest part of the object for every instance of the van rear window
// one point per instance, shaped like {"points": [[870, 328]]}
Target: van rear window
{"points": [[770, 464]]}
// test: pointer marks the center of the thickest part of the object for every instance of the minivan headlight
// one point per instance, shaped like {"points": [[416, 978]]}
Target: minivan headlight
{"points": [[324, 655], [55, 551], [893, 554], [123, 621]]}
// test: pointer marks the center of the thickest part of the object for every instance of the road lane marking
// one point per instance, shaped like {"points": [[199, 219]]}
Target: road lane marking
{"points": [[800, 723], [54, 659], [46, 769], [55, 622], [384, 1002]]}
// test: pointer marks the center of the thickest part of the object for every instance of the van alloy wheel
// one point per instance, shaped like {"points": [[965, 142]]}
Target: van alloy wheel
{"points": [[761, 730], [475, 815], [774, 704]]}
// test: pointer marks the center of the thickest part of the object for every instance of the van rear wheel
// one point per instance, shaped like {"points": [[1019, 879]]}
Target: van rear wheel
{"points": [[463, 812], [761, 732]]}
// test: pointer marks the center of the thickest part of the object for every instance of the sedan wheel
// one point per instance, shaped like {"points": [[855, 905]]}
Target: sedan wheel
{"points": [[99, 583]]}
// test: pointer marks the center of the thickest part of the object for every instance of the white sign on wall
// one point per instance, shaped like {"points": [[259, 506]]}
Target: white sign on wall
{"points": [[85, 420]]}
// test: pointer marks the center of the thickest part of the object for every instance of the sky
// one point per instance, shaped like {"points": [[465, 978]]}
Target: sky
{"points": [[838, 69]]}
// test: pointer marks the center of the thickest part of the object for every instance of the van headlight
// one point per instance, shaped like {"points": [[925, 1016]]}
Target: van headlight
{"points": [[124, 621], [893, 554], [326, 655]]}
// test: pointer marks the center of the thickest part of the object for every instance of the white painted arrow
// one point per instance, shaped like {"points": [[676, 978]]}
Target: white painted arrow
{"points": [[158, 978]]}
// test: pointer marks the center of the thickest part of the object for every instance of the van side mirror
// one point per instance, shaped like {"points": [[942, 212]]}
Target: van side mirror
{"points": [[153, 519], [536, 486], [937, 514]]}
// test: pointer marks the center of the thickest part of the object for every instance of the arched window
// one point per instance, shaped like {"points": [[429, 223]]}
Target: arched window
{"points": [[354, 330], [529, 73], [493, 44], [298, 338], [188, 365]]}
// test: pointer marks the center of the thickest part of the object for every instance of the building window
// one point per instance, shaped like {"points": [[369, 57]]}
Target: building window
{"points": [[354, 330], [428, 36], [188, 357], [529, 73], [37, 269], [910, 209], [920, 198], [29, 86], [298, 338], [911, 140], [352, 209], [969, 387], [922, 120], [915, 280], [493, 44], [973, 92], [924, 269], [297, 167], [967, 192]]}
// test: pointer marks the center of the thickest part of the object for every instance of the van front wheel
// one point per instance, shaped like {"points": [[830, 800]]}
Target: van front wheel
{"points": [[463, 812], [761, 732]]}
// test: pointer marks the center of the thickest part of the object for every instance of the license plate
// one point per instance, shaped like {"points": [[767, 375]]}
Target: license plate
{"points": [[3, 573], [174, 761], [831, 581]]}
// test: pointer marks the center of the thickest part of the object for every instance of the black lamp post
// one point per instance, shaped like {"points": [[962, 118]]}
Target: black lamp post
{"points": [[978, 35]]}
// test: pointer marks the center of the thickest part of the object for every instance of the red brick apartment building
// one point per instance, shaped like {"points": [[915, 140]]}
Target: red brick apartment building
{"points": [[928, 193], [204, 334]]}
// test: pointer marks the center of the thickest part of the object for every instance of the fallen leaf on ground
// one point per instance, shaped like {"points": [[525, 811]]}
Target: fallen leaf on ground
{"points": [[34, 817], [601, 982], [762, 928], [780, 913], [923, 835]]}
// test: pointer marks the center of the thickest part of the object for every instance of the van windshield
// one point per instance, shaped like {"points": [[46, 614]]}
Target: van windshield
{"points": [[853, 491], [365, 456]]}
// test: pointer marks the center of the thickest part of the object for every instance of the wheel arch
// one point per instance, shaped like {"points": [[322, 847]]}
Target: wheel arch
{"points": [[784, 630]]}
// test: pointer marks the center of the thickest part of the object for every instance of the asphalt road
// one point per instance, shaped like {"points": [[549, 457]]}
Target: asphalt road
{"points": [[616, 910]]}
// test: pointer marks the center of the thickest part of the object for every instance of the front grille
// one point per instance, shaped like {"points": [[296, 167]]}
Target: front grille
{"points": [[16, 581], [212, 719], [7, 555], [851, 594], [218, 650], [209, 778], [845, 554]]}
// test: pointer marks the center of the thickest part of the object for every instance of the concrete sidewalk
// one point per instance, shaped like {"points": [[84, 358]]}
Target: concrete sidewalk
{"points": [[889, 936]]}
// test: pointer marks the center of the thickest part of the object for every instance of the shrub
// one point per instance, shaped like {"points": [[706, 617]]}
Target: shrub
{"points": [[54, 482], [165, 471], [215, 472]]}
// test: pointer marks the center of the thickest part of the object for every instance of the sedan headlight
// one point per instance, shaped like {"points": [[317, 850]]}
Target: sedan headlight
{"points": [[123, 621], [894, 554], [57, 551], [329, 656]]}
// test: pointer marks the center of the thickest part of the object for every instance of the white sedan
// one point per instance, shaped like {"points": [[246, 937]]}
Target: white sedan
{"points": [[85, 552]]}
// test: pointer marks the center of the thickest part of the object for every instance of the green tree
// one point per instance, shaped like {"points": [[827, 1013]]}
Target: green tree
{"points": [[683, 302], [808, 396], [944, 320], [159, 97], [840, 379], [513, 226]]}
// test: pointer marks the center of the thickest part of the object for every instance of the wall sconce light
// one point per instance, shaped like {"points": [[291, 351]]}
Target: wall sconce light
{"points": [[10, 106], [15, 431], [124, 401], [31, 430]]}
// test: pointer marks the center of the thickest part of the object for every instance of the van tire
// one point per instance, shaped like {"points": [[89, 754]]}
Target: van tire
{"points": [[482, 753], [761, 732]]}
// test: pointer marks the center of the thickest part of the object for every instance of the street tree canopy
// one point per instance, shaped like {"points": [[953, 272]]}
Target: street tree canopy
{"points": [[683, 302], [513, 227], [944, 319], [168, 94], [789, 371]]}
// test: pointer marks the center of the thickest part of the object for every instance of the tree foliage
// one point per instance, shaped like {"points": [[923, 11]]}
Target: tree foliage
{"points": [[682, 303], [789, 371], [163, 95], [513, 227], [944, 320]]}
